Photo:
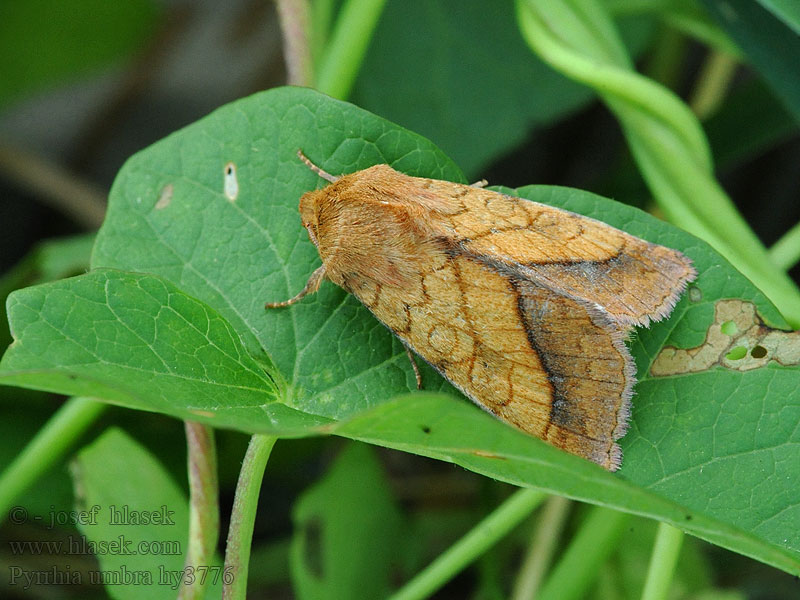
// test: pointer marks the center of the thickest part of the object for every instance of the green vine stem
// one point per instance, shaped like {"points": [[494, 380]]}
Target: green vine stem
{"points": [[203, 504], [688, 18], [666, 550], [545, 539], [712, 84], [480, 538], [665, 137], [343, 54], [243, 517], [49, 445], [582, 560], [786, 251]]}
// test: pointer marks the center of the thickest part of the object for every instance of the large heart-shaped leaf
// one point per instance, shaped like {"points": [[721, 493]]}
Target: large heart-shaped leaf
{"points": [[208, 217]]}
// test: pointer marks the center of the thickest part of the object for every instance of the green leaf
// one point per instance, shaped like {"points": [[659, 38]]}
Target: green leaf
{"points": [[771, 45], [137, 341], [339, 547], [136, 517], [43, 42], [713, 452], [466, 79], [747, 125], [237, 255]]}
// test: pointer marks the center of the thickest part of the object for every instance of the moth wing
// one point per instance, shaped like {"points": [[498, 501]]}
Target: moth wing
{"points": [[547, 363], [631, 279]]}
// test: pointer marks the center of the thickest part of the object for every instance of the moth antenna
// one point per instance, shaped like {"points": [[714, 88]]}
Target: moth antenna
{"points": [[324, 174]]}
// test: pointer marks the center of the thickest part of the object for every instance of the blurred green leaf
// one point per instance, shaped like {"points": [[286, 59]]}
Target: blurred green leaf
{"points": [[787, 11], [465, 79], [342, 525], [749, 122], [713, 453], [462, 76], [44, 42], [771, 45]]}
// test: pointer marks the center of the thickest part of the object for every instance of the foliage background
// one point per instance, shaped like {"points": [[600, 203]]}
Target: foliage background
{"points": [[84, 95]]}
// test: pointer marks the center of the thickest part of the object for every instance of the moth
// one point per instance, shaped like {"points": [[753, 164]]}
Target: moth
{"points": [[523, 307]]}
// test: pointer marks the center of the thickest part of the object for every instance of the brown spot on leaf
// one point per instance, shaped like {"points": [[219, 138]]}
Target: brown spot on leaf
{"points": [[166, 197], [202, 413], [737, 339], [486, 454]]}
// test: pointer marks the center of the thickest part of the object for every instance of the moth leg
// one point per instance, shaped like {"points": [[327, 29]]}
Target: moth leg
{"points": [[414, 366], [479, 184], [324, 174], [312, 285]]}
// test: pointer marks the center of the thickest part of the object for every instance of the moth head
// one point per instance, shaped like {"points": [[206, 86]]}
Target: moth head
{"points": [[310, 204]]}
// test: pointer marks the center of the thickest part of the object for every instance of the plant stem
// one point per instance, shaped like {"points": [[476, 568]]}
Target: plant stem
{"points": [[666, 550], [486, 533], [587, 552], [55, 186], [294, 19], [342, 58], [681, 18], [712, 84], [786, 251], [546, 537], [243, 516], [203, 505], [49, 445]]}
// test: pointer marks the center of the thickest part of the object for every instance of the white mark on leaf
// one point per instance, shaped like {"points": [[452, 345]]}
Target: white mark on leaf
{"points": [[231, 182]]}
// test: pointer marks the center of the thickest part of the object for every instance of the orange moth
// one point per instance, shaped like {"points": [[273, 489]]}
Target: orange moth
{"points": [[523, 307]]}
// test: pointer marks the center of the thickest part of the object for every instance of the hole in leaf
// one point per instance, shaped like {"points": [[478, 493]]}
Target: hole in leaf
{"points": [[729, 328], [737, 353], [758, 352]]}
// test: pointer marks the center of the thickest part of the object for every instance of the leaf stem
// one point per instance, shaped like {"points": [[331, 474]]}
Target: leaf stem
{"points": [[546, 537], [49, 445], [55, 186], [293, 16], [786, 251], [486, 533], [341, 60], [587, 552], [243, 517], [203, 504], [712, 83], [666, 550]]}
